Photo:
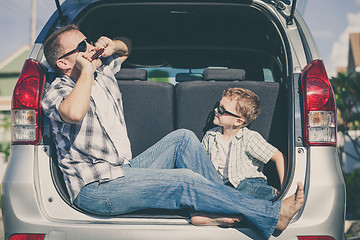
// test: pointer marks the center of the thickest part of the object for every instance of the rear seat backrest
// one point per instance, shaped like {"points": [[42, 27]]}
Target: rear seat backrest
{"points": [[126, 74], [224, 74], [148, 108]]}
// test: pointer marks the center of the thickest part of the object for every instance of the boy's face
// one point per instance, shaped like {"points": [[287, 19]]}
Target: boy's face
{"points": [[227, 120]]}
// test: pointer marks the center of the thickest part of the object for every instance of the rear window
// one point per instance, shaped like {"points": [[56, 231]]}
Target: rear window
{"points": [[172, 39], [172, 75]]}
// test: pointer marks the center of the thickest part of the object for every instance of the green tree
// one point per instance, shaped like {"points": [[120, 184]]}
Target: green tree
{"points": [[5, 123], [352, 181], [347, 94], [158, 75]]}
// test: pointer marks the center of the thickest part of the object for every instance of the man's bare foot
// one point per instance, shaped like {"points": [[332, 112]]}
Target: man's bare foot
{"points": [[290, 206], [207, 219]]}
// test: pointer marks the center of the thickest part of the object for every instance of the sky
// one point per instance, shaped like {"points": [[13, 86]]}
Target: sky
{"points": [[330, 22]]}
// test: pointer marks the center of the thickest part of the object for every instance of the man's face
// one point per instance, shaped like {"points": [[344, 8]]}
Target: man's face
{"points": [[70, 42]]}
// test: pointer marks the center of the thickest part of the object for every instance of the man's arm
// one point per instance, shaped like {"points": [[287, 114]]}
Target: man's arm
{"points": [[124, 47], [74, 107]]}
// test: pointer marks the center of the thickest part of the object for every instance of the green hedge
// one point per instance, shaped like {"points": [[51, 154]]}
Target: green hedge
{"points": [[352, 181]]}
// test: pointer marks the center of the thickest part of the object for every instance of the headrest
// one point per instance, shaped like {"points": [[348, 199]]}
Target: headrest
{"points": [[127, 74], [188, 77], [224, 74]]}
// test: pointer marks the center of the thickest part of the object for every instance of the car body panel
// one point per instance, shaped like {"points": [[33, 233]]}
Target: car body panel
{"points": [[32, 203]]}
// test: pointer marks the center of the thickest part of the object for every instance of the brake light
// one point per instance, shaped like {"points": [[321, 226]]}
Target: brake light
{"points": [[27, 237], [315, 238], [26, 104], [319, 106]]}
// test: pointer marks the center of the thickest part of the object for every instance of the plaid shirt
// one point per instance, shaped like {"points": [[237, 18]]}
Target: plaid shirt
{"points": [[249, 151], [85, 151]]}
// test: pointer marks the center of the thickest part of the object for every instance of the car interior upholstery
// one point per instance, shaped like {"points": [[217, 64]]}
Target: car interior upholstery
{"points": [[232, 54]]}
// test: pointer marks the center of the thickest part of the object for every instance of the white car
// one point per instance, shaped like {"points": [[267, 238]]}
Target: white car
{"points": [[184, 54]]}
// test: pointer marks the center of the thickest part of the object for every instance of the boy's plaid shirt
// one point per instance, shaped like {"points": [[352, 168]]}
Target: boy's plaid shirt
{"points": [[85, 151], [248, 153]]}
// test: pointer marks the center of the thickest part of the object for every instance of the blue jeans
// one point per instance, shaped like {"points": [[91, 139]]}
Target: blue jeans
{"points": [[257, 188], [176, 173]]}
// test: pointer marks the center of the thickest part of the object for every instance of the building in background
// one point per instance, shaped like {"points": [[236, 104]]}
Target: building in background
{"points": [[10, 70], [354, 54], [353, 66]]}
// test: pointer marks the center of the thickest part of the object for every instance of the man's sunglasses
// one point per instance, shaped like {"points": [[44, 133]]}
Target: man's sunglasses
{"points": [[81, 47], [221, 110]]}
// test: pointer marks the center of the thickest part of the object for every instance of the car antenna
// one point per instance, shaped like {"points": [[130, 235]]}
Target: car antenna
{"points": [[60, 12]]}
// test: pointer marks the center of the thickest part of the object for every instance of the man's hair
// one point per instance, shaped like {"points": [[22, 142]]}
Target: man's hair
{"points": [[52, 47], [247, 103]]}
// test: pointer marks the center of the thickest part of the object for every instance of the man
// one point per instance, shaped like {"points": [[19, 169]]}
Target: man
{"points": [[85, 108]]}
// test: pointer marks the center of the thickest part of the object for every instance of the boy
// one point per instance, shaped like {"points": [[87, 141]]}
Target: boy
{"points": [[238, 153]]}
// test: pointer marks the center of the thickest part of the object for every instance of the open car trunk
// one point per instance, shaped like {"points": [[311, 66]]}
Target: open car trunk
{"points": [[192, 36], [175, 43]]}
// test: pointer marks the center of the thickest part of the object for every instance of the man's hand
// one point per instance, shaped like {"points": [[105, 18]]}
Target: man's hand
{"points": [[85, 63], [106, 43], [120, 45]]}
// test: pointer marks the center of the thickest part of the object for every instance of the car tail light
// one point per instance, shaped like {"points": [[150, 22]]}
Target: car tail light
{"points": [[319, 106], [26, 104], [315, 238], [27, 237]]}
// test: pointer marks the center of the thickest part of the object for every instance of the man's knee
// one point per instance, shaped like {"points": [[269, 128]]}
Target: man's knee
{"points": [[186, 133], [188, 175]]}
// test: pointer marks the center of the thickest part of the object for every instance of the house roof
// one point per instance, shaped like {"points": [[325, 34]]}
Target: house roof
{"points": [[10, 70], [13, 63]]}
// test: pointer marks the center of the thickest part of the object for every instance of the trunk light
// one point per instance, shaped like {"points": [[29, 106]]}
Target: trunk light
{"points": [[26, 104], [315, 238], [319, 106], [27, 237]]}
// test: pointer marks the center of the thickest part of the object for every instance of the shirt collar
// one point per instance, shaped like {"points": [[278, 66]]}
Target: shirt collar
{"points": [[241, 133], [217, 131]]}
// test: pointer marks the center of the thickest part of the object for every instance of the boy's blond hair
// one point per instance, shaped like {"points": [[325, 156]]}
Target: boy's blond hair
{"points": [[247, 103]]}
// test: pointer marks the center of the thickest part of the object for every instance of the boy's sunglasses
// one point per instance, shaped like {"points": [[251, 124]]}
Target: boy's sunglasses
{"points": [[221, 110], [81, 47]]}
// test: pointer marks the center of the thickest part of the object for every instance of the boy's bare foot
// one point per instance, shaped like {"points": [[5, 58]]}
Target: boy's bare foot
{"points": [[207, 219], [290, 206]]}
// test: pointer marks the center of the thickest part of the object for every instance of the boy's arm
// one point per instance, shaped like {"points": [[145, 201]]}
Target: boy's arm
{"points": [[279, 160], [205, 142]]}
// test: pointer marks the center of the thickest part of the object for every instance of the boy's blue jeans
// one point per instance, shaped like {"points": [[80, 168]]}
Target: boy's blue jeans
{"points": [[257, 188], [176, 173]]}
